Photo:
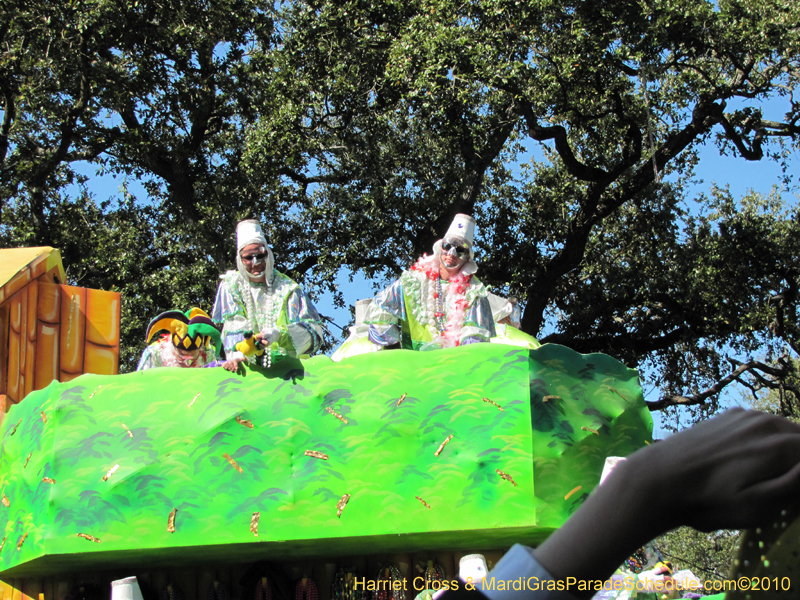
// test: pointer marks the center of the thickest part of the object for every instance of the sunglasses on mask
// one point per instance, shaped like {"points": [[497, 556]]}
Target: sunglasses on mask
{"points": [[460, 250], [259, 257]]}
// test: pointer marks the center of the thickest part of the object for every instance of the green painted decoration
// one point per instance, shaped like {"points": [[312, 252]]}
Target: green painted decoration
{"points": [[92, 470]]}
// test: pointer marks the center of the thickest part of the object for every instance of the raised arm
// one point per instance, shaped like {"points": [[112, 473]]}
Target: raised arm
{"points": [[478, 322], [738, 470]]}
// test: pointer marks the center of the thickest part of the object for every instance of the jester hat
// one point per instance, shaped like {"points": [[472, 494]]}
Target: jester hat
{"points": [[189, 331]]}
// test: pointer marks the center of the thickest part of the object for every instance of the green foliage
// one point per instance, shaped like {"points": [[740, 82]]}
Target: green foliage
{"points": [[710, 556], [148, 90], [355, 130]]}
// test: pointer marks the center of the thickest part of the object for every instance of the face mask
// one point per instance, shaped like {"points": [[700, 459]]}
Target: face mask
{"points": [[248, 261], [453, 250], [256, 259]]}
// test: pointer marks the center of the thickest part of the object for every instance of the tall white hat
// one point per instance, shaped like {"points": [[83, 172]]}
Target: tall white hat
{"points": [[463, 227], [249, 232]]}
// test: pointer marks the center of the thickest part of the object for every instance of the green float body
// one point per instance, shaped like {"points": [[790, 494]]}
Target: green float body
{"points": [[169, 429]]}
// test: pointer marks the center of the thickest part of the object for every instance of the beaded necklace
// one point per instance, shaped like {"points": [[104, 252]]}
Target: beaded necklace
{"points": [[172, 591], [344, 586], [263, 589], [268, 317], [217, 591], [260, 319], [266, 358], [443, 311], [433, 572], [439, 314]]}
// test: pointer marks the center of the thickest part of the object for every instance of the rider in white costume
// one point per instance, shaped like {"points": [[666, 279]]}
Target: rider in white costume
{"points": [[438, 302], [257, 298]]}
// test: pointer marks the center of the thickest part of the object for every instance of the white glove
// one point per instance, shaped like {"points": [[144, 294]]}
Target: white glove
{"points": [[270, 335]]}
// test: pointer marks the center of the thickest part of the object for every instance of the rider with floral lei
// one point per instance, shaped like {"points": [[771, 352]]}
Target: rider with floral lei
{"points": [[438, 302]]}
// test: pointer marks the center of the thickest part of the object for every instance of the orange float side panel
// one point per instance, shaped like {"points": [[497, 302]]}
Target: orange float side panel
{"points": [[30, 367], [9, 592], [101, 359], [12, 387], [15, 320], [33, 301], [30, 336], [17, 305], [19, 281], [49, 303], [49, 330], [48, 335], [23, 347], [73, 331], [4, 318], [46, 369], [102, 315]]}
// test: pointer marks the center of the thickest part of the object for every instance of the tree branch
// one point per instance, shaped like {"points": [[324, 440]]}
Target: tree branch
{"points": [[755, 152], [557, 133], [305, 181], [304, 265], [9, 114], [705, 114], [714, 389]]}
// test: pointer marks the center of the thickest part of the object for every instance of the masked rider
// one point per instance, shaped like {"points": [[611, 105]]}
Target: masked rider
{"points": [[257, 298], [438, 302], [188, 343]]}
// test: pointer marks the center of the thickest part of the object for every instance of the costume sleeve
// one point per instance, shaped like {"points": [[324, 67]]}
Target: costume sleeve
{"points": [[501, 307], [478, 322], [519, 564], [149, 359], [385, 314], [305, 324], [231, 313]]}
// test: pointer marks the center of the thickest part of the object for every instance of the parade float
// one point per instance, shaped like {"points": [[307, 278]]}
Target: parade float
{"points": [[295, 480], [49, 330]]}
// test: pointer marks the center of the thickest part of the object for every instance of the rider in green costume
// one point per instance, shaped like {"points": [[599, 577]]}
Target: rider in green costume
{"points": [[437, 303]]}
